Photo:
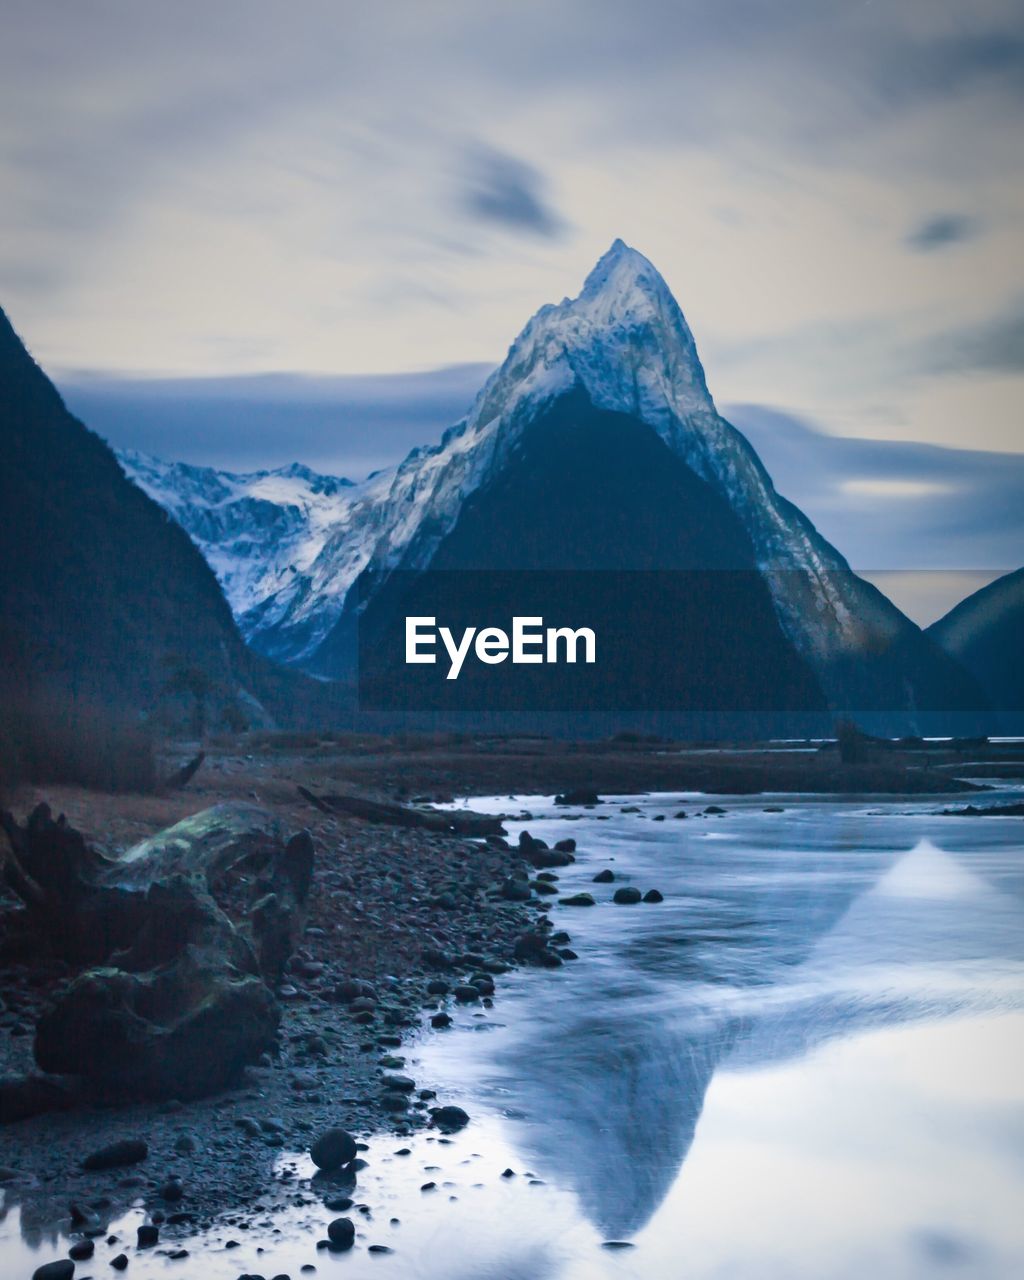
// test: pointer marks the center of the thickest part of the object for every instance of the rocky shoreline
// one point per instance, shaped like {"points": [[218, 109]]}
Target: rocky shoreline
{"points": [[404, 923]]}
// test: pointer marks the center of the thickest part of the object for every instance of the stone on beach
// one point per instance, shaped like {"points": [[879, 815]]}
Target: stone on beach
{"points": [[117, 1154], [333, 1149]]}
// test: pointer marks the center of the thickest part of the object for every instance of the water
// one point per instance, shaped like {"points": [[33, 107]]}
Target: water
{"points": [[805, 1063]]}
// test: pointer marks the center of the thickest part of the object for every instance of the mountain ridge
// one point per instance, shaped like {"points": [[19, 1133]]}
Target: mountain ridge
{"points": [[625, 342], [985, 634]]}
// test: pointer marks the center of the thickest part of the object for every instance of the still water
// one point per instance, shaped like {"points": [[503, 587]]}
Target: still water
{"points": [[807, 1062]]}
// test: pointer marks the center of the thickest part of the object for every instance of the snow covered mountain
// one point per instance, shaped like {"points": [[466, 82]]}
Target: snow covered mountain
{"points": [[257, 530], [617, 358], [625, 340]]}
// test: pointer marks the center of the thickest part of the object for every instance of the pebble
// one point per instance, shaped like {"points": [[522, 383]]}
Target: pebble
{"points": [[128, 1151], [342, 1234]]}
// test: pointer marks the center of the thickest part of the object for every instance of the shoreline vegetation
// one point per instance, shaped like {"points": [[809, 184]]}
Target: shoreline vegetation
{"points": [[411, 910]]}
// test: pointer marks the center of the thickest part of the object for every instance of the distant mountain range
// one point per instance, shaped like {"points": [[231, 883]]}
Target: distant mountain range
{"points": [[258, 530], [105, 600], [596, 446], [985, 634]]}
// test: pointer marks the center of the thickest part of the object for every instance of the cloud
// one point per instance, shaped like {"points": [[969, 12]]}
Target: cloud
{"points": [[894, 504], [506, 191], [993, 346], [942, 230], [346, 426], [887, 505]]}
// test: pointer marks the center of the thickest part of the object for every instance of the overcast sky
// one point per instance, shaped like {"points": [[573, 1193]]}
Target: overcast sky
{"points": [[238, 187]]}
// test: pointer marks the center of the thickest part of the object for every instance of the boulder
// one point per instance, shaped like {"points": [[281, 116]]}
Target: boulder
{"points": [[449, 1119], [333, 1149]]}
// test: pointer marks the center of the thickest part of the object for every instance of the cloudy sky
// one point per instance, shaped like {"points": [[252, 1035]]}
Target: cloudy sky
{"points": [[237, 188]]}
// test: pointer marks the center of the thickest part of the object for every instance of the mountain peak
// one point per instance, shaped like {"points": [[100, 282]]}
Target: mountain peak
{"points": [[623, 337], [622, 269]]}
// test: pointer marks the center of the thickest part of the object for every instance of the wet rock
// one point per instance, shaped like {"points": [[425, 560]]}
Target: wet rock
{"points": [[350, 989], [515, 890], [627, 896], [81, 1250], [466, 993], [529, 948], [449, 1119], [566, 846], [714, 809], [441, 1020], [148, 1235], [63, 1269], [539, 856], [654, 895], [333, 1149], [438, 987], [606, 876], [342, 1234], [403, 1084], [578, 796], [120, 1262], [578, 900], [127, 1151]]}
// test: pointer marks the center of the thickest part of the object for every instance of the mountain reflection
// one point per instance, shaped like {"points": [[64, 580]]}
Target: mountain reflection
{"points": [[613, 1076]]}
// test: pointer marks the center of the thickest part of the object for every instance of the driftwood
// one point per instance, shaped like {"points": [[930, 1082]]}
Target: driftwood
{"points": [[400, 815], [183, 776], [180, 941]]}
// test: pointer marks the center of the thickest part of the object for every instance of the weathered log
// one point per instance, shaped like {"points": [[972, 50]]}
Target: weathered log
{"points": [[182, 938], [183, 776], [176, 1015], [388, 813]]}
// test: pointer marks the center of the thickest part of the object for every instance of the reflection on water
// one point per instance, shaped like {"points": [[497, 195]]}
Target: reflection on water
{"points": [[804, 1064], [779, 934]]}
